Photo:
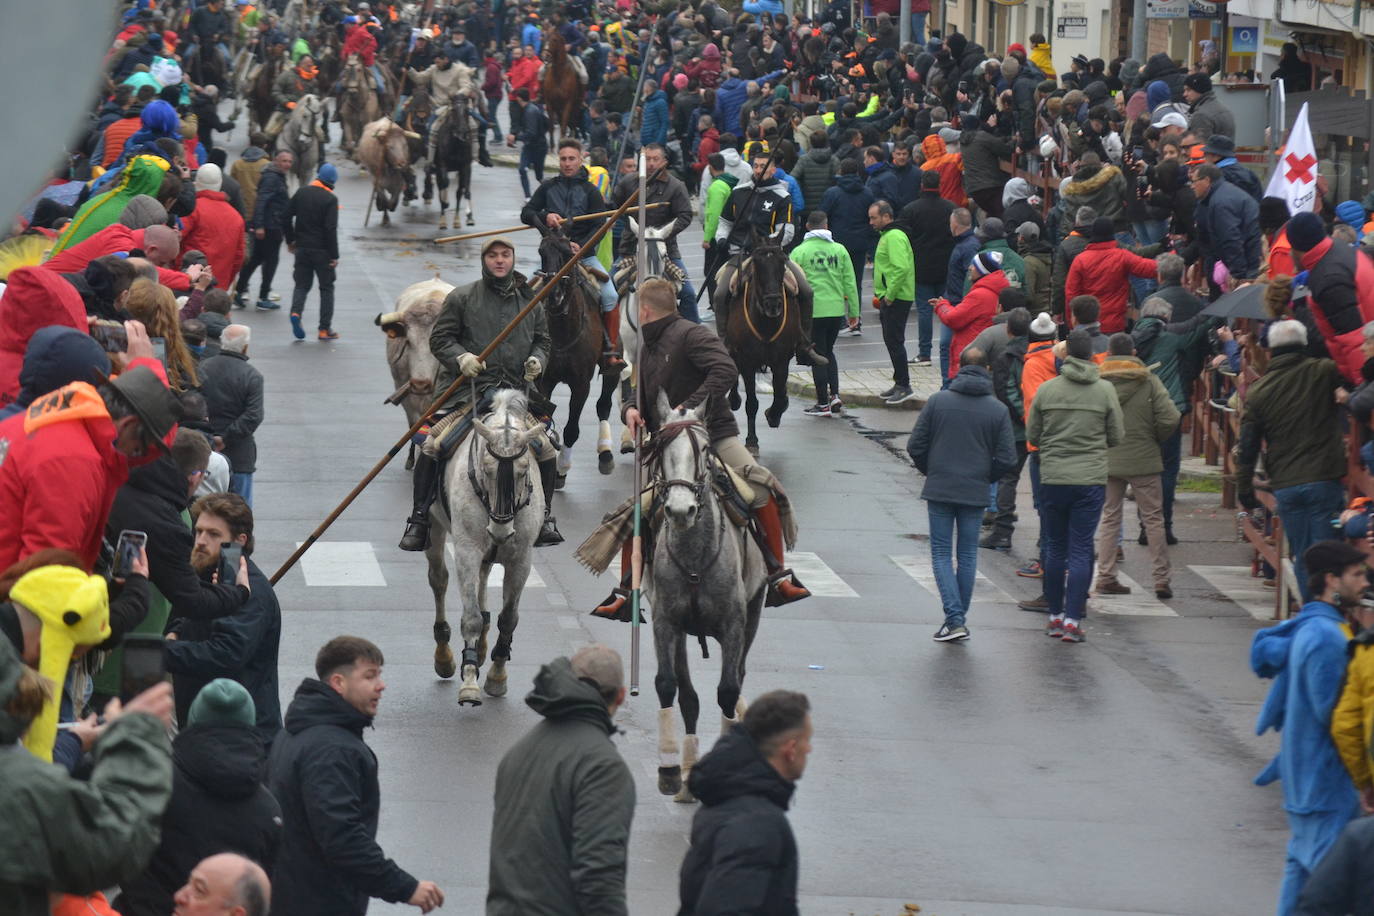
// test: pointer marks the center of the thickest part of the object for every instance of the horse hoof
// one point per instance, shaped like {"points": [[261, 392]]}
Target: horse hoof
{"points": [[753, 448], [670, 780], [774, 418], [560, 481], [443, 661], [496, 684], [734, 400], [471, 221], [685, 796], [470, 696], [605, 461]]}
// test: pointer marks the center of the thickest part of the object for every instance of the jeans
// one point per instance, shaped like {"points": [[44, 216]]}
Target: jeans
{"points": [[893, 319], [948, 521], [1068, 521], [1172, 451], [687, 296], [1312, 836], [1306, 511], [493, 106], [531, 159], [609, 297], [1151, 230], [266, 253], [925, 312], [242, 484], [918, 28], [312, 263], [946, 341], [1140, 286], [826, 378]]}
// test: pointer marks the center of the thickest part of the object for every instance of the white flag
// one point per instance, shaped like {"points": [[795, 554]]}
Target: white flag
{"points": [[1295, 174]]}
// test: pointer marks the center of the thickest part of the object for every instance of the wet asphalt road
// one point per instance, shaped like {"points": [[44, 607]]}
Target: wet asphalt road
{"points": [[1008, 775]]}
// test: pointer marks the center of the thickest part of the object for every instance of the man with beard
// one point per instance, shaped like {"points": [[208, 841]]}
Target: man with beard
{"points": [[241, 646]]}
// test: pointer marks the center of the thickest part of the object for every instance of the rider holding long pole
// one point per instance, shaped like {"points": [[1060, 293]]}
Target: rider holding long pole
{"points": [[689, 363]]}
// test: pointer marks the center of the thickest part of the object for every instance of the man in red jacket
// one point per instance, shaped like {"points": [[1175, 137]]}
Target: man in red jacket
{"points": [[63, 458], [975, 311], [161, 250], [1340, 287], [35, 298], [1103, 270], [215, 227]]}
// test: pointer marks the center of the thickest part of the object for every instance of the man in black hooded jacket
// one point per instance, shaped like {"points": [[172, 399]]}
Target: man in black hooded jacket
{"points": [[743, 857]]}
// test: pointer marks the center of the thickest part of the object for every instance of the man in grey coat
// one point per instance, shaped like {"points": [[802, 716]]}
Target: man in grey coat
{"points": [[962, 442], [565, 798], [233, 394]]}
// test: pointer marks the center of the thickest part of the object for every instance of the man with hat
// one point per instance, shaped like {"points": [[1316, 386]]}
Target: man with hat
{"points": [[62, 459], [1340, 290], [1220, 150], [1170, 125], [462, 51], [1206, 114], [992, 236], [471, 317], [215, 227]]}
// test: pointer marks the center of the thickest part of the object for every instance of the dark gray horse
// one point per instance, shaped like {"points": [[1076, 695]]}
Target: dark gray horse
{"points": [[707, 579]]}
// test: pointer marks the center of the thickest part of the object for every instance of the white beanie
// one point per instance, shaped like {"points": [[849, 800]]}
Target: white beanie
{"points": [[1043, 326], [209, 177]]}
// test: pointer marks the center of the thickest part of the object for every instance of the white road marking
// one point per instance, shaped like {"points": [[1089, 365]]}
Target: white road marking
{"points": [[919, 569], [498, 573], [1236, 583], [820, 579], [1141, 602], [342, 563]]}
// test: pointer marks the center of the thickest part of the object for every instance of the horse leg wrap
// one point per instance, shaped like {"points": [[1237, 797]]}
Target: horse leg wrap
{"points": [[667, 739], [470, 657], [442, 632]]}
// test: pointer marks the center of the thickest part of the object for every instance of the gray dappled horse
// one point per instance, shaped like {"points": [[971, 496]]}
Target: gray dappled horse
{"points": [[627, 281], [301, 135], [707, 579], [495, 506]]}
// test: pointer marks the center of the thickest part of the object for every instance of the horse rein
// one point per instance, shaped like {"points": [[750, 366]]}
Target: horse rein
{"points": [[507, 505], [782, 321], [667, 433]]}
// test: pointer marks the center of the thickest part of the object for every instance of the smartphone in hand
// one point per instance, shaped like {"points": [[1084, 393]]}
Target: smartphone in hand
{"points": [[229, 556], [142, 666], [127, 548]]}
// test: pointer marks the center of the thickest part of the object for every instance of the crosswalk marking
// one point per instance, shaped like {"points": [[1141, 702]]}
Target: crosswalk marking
{"points": [[342, 563], [919, 569], [1236, 583], [1141, 602], [820, 579], [498, 573]]}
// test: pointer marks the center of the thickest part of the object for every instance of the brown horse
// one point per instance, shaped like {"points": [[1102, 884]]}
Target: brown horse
{"points": [[762, 329], [562, 89], [357, 103], [259, 92]]}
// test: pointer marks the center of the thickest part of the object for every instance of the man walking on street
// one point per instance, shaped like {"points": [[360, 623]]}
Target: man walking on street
{"points": [[265, 225], [233, 394], [311, 230], [962, 442], [564, 797], [325, 777], [926, 221], [743, 856], [1149, 418], [830, 275], [894, 289], [1073, 421]]}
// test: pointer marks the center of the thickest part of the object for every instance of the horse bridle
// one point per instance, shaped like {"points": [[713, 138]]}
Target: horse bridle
{"points": [[507, 504], [782, 319], [667, 433], [567, 288]]}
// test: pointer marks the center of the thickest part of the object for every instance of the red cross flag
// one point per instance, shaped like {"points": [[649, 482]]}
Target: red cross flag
{"points": [[1295, 174]]}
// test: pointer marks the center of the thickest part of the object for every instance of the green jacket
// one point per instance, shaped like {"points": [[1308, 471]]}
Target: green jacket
{"points": [[63, 834], [717, 193], [471, 317], [894, 268], [1292, 410], [1039, 260], [1012, 264], [1070, 419], [831, 275], [1162, 345], [564, 803], [1147, 412]]}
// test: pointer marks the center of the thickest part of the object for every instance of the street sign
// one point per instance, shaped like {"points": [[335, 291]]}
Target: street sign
{"points": [[1071, 27]]}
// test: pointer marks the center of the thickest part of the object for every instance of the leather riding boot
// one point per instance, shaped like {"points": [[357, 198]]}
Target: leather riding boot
{"points": [[548, 532], [426, 482], [783, 585], [611, 359], [617, 606], [483, 157]]}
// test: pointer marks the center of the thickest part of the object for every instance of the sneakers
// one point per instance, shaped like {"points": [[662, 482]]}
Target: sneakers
{"points": [[1222, 404], [1055, 628], [1038, 604], [1112, 588], [836, 406], [329, 335], [1031, 570], [884, 395], [947, 633], [240, 300], [1073, 631], [851, 332], [297, 330], [900, 395], [267, 305], [921, 361], [818, 410]]}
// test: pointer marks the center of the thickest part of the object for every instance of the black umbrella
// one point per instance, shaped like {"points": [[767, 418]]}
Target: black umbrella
{"points": [[1246, 302]]}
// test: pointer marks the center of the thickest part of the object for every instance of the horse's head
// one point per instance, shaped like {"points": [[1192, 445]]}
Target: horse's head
{"points": [[655, 245], [501, 462], [555, 251], [681, 444], [769, 267]]}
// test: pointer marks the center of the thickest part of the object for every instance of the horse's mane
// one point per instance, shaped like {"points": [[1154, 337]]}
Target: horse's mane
{"points": [[558, 54]]}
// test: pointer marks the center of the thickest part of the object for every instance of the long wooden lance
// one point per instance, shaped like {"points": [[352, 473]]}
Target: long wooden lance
{"points": [[448, 393], [576, 219]]}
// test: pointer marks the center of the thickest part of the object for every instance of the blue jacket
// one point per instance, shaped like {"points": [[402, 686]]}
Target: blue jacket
{"points": [[759, 7], [1228, 229], [965, 247], [1306, 657], [731, 96], [846, 203], [962, 440], [530, 35], [897, 187], [654, 126], [798, 201], [56, 356]]}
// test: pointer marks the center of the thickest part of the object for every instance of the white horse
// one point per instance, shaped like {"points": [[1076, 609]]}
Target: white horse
{"points": [[656, 239], [495, 507], [302, 133]]}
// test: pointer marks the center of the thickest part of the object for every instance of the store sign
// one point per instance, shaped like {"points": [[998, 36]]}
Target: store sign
{"points": [[1181, 9], [1244, 39], [1071, 27]]}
